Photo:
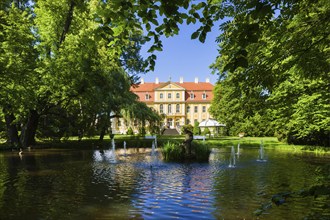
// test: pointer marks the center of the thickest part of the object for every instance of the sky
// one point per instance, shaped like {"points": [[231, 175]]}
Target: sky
{"points": [[183, 57]]}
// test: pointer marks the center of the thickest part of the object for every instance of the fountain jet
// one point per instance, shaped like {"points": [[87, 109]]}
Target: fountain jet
{"points": [[232, 160]]}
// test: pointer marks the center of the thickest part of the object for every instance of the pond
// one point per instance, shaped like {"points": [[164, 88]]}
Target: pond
{"points": [[89, 184]]}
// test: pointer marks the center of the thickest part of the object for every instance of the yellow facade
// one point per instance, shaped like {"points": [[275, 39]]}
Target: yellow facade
{"points": [[180, 103]]}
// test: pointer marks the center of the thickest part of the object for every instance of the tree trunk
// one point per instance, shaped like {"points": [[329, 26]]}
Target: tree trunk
{"points": [[12, 133], [102, 133], [27, 137], [105, 126], [68, 21]]}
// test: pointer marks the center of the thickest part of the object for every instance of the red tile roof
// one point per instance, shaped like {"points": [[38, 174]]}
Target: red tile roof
{"points": [[189, 86], [197, 89], [145, 87]]}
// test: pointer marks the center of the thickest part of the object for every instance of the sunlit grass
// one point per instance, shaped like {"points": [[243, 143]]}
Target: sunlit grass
{"points": [[139, 141]]}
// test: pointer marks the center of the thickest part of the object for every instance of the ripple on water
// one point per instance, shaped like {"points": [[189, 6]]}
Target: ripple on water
{"points": [[87, 186]]}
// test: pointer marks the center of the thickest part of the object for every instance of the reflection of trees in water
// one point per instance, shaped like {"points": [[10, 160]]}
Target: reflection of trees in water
{"points": [[74, 184], [32, 181]]}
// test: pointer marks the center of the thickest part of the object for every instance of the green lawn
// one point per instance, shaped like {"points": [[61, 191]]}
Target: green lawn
{"points": [[137, 141]]}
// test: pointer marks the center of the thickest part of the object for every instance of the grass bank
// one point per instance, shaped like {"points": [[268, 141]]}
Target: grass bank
{"points": [[138, 141]]}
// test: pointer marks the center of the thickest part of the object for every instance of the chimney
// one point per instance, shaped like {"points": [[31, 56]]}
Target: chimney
{"points": [[157, 80], [142, 81], [181, 79], [207, 80], [196, 79]]}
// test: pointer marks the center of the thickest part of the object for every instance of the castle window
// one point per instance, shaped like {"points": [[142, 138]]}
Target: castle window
{"points": [[177, 95], [161, 108], [204, 95], [177, 109], [161, 95], [204, 109], [169, 95], [196, 109], [169, 108], [188, 109], [192, 95], [147, 96]]}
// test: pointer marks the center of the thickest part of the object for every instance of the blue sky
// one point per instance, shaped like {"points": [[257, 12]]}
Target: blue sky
{"points": [[183, 57]]}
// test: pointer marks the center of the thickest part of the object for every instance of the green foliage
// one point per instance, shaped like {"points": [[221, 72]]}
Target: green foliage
{"points": [[142, 131], [202, 151], [172, 151], [196, 129], [305, 118], [189, 127], [130, 131], [154, 129], [141, 112], [83, 56], [206, 131], [241, 110], [18, 78], [273, 67]]}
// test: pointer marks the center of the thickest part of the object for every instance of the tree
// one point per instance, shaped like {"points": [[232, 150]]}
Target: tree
{"points": [[17, 67], [206, 131], [84, 48], [196, 130], [266, 46]]}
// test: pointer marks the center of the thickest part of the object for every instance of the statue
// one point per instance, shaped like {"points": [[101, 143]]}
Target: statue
{"points": [[187, 143]]}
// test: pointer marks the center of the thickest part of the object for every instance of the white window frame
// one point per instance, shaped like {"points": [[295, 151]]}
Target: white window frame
{"points": [[177, 108], [192, 96], [169, 108]]}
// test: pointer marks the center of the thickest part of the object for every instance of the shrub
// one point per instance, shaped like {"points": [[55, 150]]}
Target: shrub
{"points": [[202, 151], [197, 130], [206, 131], [189, 127], [172, 151], [130, 131], [142, 131]]}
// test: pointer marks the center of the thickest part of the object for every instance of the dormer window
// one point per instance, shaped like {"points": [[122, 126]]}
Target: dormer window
{"points": [[204, 95], [192, 95], [147, 96]]}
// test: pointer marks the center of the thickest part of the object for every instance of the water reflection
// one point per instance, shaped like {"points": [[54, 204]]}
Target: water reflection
{"points": [[58, 184]]}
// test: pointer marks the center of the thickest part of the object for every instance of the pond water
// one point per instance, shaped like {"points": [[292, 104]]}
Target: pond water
{"points": [[86, 184]]}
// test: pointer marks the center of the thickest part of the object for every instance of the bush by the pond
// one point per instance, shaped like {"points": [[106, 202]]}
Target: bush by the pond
{"points": [[174, 151], [202, 151]]}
